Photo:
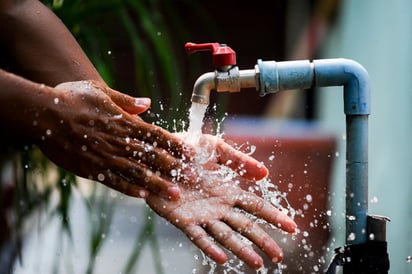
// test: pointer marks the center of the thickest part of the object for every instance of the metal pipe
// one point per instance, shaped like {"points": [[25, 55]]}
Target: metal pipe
{"points": [[355, 79], [271, 76], [232, 80], [203, 85]]}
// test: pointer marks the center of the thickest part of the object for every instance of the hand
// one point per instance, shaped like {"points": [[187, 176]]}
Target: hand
{"points": [[216, 206], [92, 131]]}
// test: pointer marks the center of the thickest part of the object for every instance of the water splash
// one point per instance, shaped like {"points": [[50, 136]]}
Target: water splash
{"points": [[269, 191]]}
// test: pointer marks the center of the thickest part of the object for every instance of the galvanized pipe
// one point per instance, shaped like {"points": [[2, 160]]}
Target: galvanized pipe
{"points": [[232, 80]]}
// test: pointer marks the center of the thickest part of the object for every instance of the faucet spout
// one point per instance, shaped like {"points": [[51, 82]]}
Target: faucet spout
{"points": [[232, 80], [203, 85]]}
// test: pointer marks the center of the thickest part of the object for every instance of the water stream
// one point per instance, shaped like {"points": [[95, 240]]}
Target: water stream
{"points": [[196, 115]]}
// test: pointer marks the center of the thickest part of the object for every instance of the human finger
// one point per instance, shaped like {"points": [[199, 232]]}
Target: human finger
{"points": [[117, 183], [252, 231], [244, 165], [229, 239], [135, 173], [162, 138], [132, 105], [155, 158], [201, 239], [262, 209]]}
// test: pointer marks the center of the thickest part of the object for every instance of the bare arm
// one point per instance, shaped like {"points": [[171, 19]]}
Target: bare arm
{"points": [[43, 48]]}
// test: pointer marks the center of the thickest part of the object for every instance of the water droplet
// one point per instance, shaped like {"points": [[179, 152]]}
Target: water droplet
{"points": [[173, 173], [408, 259], [109, 52], [84, 148], [351, 236], [48, 132], [100, 177], [56, 101], [374, 200], [309, 198], [271, 157]]}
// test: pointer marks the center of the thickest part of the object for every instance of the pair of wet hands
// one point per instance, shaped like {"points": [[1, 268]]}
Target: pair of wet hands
{"points": [[205, 201]]}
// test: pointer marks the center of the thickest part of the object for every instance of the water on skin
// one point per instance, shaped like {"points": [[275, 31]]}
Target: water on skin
{"points": [[269, 190]]}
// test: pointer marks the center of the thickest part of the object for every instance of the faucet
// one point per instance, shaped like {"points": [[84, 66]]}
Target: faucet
{"points": [[271, 77], [226, 78]]}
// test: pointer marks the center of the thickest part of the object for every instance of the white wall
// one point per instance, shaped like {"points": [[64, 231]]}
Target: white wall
{"points": [[378, 34]]}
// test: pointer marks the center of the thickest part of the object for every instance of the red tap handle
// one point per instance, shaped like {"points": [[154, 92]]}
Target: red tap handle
{"points": [[222, 55]]}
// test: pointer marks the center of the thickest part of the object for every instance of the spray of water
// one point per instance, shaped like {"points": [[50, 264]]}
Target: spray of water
{"points": [[269, 191]]}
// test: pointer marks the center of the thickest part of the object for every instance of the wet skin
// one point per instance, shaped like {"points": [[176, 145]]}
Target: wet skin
{"points": [[215, 206]]}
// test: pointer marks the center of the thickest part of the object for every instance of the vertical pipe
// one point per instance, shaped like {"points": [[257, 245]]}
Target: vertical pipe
{"points": [[275, 76], [356, 178], [356, 96]]}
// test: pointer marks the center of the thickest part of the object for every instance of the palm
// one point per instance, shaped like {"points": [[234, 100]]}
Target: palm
{"points": [[218, 207]]}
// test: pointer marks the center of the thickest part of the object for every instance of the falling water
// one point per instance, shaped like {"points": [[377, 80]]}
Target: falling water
{"points": [[196, 114]]}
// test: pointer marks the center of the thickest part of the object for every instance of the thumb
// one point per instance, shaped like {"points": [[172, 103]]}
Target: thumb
{"points": [[133, 105]]}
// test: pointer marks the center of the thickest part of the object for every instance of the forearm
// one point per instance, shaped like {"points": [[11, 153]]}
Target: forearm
{"points": [[44, 49], [25, 107]]}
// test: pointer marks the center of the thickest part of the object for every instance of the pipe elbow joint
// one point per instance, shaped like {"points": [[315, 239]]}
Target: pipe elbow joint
{"points": [[203, 85], [350, 74]]}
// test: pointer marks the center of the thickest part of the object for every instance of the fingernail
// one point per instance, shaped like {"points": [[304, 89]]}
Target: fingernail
{"points": [[142, 101], [291, 226], [275, 260], [174, 193]]}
